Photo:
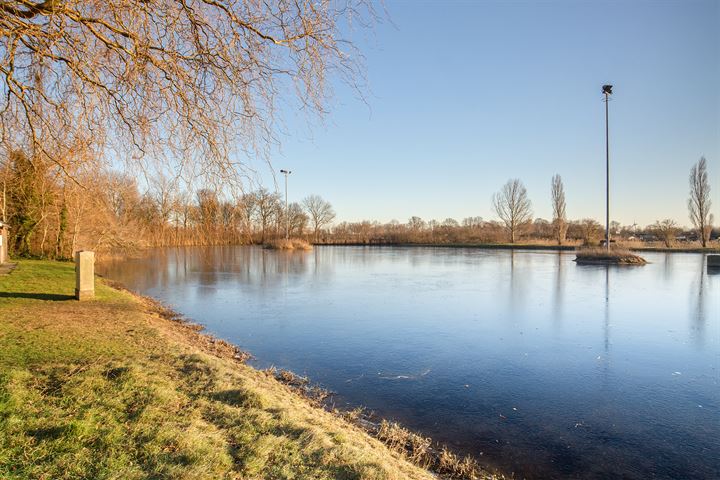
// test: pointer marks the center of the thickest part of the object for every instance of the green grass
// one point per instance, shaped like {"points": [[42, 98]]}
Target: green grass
{"points": [[106, 389]]}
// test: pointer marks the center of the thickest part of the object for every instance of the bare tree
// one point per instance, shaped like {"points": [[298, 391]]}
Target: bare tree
{"points": [[208, 208], [150, 77], [558, 204], [666, 229], [296, 220], [416, 224], [267, 206], [320, 211], [699, 201], [513, 207], [246, 206], [543, 229], [472, 222], [591, 231]]}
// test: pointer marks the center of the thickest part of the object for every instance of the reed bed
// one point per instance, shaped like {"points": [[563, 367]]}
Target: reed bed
{"points": [[422, 452], [289, 244], [415, 448]]}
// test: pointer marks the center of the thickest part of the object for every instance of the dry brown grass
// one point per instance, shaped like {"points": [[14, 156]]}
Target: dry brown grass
{"points": [[315, 394], [421, 451], [600, 255], [288, 244]]}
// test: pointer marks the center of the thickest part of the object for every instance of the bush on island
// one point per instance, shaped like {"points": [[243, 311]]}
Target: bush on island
{"points": [[602, 256], [288, 244]]}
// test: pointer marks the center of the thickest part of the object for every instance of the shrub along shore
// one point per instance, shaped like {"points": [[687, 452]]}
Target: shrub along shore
{"points": [[120, 387]]}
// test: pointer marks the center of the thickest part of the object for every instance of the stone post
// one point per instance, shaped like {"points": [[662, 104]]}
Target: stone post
{"points": [[3, 243], [84, 275]]}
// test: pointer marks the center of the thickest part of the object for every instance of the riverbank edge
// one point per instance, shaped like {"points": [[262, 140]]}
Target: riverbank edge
{"points": [[396, 443], [516, 246], [423, 452]]}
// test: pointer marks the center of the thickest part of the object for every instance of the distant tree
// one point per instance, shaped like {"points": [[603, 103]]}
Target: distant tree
{"points": [[297, 220], [450, 222], [416, 224], [246, 206], [666, 229], [699, 202], [184, 210], [558, 203], [513, 207], [320, 211], [591, 231], [209, 207], [228, 214], [627, 231], [122, 196], [267, 205], [472, 222], [541, 228]]}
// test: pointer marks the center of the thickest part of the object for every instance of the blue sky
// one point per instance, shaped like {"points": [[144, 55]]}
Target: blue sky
{"points": [[465, 95]]}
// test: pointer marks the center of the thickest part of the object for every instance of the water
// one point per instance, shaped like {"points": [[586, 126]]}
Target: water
{"points": [[531, 363]]}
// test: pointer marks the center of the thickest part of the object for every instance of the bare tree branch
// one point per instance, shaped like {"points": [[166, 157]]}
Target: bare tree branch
{"points": [[187, 83]]}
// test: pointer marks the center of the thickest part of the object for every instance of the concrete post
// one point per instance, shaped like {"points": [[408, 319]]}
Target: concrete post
{"points": [[3, 243], [84, 275]]}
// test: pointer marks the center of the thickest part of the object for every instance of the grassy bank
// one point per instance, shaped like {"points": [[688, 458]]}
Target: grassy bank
{"points": [[112, 388]]}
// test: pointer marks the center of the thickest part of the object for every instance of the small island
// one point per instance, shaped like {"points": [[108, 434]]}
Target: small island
{"points": [[288, 244], [603, 256]]}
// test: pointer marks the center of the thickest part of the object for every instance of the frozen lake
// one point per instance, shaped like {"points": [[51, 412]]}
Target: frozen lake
{"points": [[531, 363]]}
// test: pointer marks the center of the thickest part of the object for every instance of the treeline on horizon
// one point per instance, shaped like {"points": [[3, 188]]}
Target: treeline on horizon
{"points": [[52, 215], [516, 223]]}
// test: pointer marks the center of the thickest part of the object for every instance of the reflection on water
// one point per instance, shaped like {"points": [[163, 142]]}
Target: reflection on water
{"points": [[607, 308], [524, 359], [699, 297], [558, 292]]}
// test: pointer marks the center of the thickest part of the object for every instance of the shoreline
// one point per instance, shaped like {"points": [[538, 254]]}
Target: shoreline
{"points": [[135, 343], [479, 246], [421, 451], [518, 246]]}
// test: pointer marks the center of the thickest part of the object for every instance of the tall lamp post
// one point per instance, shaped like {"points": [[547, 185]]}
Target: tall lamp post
{"points": [[607, 91], [287, 216]]}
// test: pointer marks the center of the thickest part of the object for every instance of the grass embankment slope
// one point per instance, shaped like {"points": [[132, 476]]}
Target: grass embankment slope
{"points": [[108, 388]]}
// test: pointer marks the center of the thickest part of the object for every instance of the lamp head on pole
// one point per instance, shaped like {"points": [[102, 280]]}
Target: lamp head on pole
{"points": [[286, 172], [607, 89]]}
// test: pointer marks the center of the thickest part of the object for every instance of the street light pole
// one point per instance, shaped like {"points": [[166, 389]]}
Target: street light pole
{"points": [[607, 90], [287, 213]]}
